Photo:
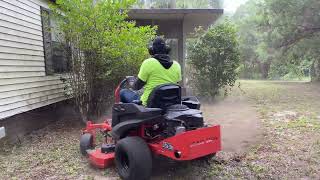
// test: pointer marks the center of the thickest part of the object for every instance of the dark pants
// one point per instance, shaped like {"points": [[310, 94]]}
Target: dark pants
{"points": [[128, 96]]}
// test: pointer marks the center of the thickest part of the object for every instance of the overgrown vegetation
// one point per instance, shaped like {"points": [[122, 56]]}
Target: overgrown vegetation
{"points": [[279, 38], [213, 59], [101, 47]]}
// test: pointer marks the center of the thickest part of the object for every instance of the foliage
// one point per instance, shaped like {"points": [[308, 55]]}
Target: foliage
{"points": [[102, 48], [279, 33], [214, 58], [255, 42]]}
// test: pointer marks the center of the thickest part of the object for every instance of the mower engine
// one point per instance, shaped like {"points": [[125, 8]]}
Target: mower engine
{"points": [[178, 119]]}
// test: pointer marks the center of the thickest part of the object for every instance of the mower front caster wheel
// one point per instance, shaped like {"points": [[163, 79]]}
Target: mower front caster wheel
{"points": [[133, 159], [86, 143]]}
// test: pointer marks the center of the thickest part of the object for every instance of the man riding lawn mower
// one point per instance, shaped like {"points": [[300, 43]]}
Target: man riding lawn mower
{"points": [[161, 122]]}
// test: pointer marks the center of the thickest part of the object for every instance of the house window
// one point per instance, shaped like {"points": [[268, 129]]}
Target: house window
{"points": [[54, 51]]}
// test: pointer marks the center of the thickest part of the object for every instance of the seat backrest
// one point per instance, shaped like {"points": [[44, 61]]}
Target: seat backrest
{"points": [[164, 96]]}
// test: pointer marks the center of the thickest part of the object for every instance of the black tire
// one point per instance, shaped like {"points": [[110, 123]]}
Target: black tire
{"points": [[86, 143], [208, 158], [133, 159]]}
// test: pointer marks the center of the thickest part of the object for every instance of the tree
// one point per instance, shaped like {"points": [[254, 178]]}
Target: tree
{"points": [[256, 43], [282, 33], [298, 26], [102, 49], [214, 58]]}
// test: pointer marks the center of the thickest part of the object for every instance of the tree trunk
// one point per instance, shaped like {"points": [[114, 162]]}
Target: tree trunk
{"points": [[264, 69], [315, 71]]}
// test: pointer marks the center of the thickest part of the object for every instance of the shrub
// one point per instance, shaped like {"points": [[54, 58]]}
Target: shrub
{"points": [[103, 47], [214, 58]]}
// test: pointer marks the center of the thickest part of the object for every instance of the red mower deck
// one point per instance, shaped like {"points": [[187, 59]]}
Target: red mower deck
{"points": [[189, 145], [185, 146], [101, 160]]}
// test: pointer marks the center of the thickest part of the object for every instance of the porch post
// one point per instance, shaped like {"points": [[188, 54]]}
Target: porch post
{"points": [[182, 50]]}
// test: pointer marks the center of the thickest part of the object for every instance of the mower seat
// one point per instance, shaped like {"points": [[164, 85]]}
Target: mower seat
{"points": [[128, 116], [129, 111], [164, 96]]}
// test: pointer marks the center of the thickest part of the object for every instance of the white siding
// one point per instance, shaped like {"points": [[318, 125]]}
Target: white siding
{"points": [[23, 83]]}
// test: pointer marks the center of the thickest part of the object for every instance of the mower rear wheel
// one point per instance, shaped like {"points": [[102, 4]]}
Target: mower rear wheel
{"points": [[133, 159], [208, 158], [86, 143]]}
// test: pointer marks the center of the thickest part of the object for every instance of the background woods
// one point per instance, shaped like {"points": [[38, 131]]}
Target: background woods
{"points": [[279, 39]]}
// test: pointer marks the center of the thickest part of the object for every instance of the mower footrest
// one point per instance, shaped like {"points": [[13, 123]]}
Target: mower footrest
{"points": [[101, 160]]}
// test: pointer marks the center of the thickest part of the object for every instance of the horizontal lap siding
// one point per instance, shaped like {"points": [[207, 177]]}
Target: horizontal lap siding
{"points": [[21, 57], [30, 90], [24, 46], [17, 63], [23, 83], [28, 32], [20, 10], [25, 97], [29, 107], [11, 75], [28, 101]]}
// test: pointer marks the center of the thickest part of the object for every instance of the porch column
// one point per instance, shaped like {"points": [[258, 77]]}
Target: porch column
{"points": [[182, 50]]}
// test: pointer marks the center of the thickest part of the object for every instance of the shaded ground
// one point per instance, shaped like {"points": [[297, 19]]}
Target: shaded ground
{"points": [[289, 147]]}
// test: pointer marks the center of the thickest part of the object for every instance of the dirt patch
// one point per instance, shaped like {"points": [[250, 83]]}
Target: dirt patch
{"points": [[240, 125], [291, 136], [241, 129]]}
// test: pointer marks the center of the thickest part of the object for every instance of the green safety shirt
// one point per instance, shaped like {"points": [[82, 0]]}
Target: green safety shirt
{"points": [[154, 74]]}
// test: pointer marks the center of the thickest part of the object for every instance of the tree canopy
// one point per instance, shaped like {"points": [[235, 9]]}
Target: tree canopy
{"points": [[279, 38]]}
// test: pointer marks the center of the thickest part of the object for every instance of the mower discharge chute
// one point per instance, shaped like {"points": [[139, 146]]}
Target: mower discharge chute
{"points": [[170, 125]]}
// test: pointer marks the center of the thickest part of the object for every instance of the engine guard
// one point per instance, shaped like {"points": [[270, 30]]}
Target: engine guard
{"points": [[190, 145]]}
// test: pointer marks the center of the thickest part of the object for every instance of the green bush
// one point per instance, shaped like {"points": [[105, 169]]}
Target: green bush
{"points": [[214, 59], [103, 48]]}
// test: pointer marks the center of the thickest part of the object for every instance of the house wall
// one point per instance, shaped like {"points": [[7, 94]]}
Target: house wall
{"points": [[23, 82]]}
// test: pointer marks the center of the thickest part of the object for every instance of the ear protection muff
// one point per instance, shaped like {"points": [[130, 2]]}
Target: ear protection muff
{"points": [[150, 49]]}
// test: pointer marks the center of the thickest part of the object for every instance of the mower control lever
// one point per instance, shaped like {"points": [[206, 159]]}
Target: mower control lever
{"points": [[131, 80]]}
